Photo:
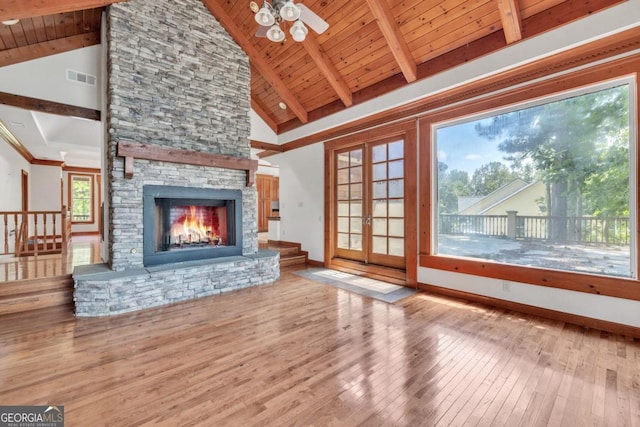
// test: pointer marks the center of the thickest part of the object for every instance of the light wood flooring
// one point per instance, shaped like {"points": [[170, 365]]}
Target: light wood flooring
{"points": [[296, 352]]}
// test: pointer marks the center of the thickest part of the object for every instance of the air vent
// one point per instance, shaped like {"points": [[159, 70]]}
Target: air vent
{"points": [[79, 77]]}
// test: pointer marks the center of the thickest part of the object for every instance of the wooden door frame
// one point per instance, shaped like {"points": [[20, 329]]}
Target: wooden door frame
{"points": [[24, 183], [406, 130]]}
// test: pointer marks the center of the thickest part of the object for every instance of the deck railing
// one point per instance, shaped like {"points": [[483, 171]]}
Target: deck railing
{"points": [[34, 232], [580, 230]]}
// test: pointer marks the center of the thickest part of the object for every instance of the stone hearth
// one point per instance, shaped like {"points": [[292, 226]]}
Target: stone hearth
{"points": [[176, 80]]}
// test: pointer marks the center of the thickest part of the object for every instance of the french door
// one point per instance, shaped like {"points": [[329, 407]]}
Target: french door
{"points": [[370, 203]]}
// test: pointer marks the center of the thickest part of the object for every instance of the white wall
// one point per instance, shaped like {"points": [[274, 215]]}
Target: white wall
{"points": [[302, 170], [46, 78], [11, 166], [260, 131], [44, 188], [302, 198]]}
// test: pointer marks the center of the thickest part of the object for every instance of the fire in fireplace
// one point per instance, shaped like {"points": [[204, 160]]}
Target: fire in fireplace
{"points": [[183, 224]]}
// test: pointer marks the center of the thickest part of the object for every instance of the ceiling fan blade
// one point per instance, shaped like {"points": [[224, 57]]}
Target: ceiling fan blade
{"points": [[262, 31], [310, 18]]}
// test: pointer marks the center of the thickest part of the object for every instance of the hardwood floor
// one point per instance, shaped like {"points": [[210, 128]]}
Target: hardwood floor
{"points": [[301, 353], [82, 250]]}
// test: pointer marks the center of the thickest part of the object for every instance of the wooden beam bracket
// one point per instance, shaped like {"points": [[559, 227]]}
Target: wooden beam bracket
{"points": [[132, 150]]}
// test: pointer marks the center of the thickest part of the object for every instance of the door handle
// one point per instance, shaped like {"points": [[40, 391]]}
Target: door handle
{"points": [[367, 220]]}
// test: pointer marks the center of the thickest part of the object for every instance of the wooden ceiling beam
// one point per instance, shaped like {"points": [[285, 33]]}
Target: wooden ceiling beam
{"points": [[329, 70], [266, 146], [48, 106], [258, 61], [399, 48], [511, 20], [20, 9], [52, 47], [264, 116]]}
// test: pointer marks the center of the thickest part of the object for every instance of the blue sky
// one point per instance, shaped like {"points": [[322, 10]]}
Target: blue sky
{"points": [[460, 147]]}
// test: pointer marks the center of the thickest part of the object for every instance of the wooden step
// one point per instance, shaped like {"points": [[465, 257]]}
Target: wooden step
{"points": [[297, 259], [32, 294]]}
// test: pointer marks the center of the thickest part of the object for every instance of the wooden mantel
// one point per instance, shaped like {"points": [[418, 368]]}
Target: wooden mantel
{"points": [[131, 150]]}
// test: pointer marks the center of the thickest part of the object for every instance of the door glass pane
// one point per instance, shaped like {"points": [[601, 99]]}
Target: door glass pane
{"points": [[379, 226], [380, 190], [356, 225], [343, 160], [343, 208], [396, 227], [356, 209], [356, 158], [379, 153], [396, 246], [396, 208], [343, 176], [356, 191], [396, 188], [379, 208], [396, 169], [396, 150], [379, 171], [356, 242], [343, 192], [380, 245], [343, 225], [343, 241], [356, 174]]}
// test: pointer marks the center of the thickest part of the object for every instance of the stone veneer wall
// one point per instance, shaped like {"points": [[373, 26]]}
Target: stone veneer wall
{"points": [[175, 79]]}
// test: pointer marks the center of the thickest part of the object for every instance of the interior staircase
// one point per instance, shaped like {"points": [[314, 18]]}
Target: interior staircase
{"points": [[31, 294], [290, 253]]}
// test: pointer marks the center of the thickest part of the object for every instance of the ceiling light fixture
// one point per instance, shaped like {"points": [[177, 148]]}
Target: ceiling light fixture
{"points": [[11, 21], [277, 12]]}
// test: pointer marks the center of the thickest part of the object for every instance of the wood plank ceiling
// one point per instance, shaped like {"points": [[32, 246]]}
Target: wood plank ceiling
{"points": [[370, 48]]}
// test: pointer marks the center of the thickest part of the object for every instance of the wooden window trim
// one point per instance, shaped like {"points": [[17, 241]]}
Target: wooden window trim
{"points": [[93, 196], [601, 285], [407, 130]]}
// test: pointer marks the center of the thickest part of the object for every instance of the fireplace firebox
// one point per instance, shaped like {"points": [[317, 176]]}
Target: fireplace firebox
{"points": [[187, 224]]}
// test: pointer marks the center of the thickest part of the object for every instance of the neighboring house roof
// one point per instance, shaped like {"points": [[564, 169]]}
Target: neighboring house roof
{"points": [[516, 195]]}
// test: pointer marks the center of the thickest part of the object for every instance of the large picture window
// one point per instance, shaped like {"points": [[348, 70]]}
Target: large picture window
{"points": [[81, 198], [547, 184]]}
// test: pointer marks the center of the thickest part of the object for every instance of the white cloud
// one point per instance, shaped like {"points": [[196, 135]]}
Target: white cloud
{"points": [[442, 155], [472, 157]]}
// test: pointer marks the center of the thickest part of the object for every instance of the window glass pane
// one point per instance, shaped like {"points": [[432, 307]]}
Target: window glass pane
{"points": [[81, 198], [343, 241], [396, 208], [379, 171], [379, 153], [343, 225], [379, 208], [379, 245], [356, 209], [343, 176], [396, 246], [356, 242], [343, 208], [396, 150], [380, 190], [379, 227], [546, 185], [396, 227], [356, 174], [396, 169], [396, 188]]}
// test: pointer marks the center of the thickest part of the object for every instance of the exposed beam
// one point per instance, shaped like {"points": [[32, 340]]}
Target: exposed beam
{"points": [[257, 60], [19, 9], [48, 106], [511, 21], [39, 50], [266, 146], [10, 138], [399, 48], [264, 116], [329, 70]]}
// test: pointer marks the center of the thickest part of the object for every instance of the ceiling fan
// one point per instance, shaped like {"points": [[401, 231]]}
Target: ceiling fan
{"points": [[270, 15]]}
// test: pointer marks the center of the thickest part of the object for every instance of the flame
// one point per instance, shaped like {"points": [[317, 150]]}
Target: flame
{"points": [[191, 228]]}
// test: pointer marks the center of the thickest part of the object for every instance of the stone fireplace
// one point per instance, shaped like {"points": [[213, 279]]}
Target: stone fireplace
{"points": [[182, 207]]}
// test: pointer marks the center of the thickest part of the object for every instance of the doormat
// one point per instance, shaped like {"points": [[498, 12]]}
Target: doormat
{"points": [[382, 291]]}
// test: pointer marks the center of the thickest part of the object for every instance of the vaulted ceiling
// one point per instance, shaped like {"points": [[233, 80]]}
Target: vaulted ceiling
{"points": [[371, 47]]}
